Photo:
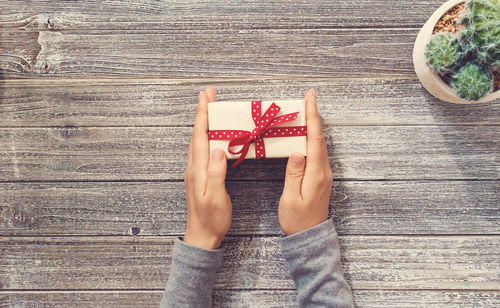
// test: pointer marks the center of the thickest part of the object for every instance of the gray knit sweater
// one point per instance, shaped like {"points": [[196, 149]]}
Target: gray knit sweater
{"points": [[312, 257]]}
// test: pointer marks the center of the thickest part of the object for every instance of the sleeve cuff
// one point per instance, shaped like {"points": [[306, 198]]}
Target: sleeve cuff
{"points": [[195, 256], [306, 238]]}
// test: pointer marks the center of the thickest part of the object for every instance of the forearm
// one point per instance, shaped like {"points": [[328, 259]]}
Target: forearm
{"points": [[191, 277], [313, 258]]}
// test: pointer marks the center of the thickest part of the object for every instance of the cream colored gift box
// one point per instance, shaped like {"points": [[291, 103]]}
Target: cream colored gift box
{"points": [[237, 115]]}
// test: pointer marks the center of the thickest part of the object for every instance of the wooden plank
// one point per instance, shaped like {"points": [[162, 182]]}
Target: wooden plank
{"points": [[158, 153], [153, 102], [248, 298], [218, 14], [369, 298], [369, 262], [209, 53], [442, 207]]}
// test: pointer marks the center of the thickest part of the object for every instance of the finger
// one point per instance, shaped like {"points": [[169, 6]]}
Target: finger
{"points": [[216, 175], [317, 154], [190, 155], [200, 147], [294, 175], [211, 94], [188, 183]]}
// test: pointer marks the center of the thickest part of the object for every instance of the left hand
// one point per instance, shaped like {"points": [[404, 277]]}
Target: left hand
{"points": [[209, 207]]}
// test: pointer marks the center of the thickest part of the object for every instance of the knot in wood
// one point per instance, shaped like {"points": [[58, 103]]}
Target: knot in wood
{"points": [[68, 131]]}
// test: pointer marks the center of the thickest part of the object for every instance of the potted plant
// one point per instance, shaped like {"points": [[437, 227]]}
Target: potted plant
{"points": [[457, 52]]}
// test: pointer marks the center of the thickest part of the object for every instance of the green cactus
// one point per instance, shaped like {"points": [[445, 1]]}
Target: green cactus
{"points": [[482, 31], [444, 52], [472, 82]]}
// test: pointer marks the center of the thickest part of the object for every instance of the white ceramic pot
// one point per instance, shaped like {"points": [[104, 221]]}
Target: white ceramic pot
{"points": [[429, 78]]}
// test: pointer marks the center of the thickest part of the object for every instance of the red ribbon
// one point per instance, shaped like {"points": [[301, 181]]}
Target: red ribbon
{"points": [[264, 128]]}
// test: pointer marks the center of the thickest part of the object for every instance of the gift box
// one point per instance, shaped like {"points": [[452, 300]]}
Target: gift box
{"points": [[257, 129]]}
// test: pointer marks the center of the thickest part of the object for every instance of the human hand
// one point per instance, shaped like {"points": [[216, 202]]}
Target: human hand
{"points": [[308, 181], [209, 208]]}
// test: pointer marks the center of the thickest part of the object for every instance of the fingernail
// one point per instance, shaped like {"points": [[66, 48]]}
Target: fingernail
{"points": [[297, 159], [217, 154], [201, 94]]}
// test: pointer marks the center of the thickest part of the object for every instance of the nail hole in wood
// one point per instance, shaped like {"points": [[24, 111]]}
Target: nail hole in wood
{"points": [[135, 230], [68, 131]]}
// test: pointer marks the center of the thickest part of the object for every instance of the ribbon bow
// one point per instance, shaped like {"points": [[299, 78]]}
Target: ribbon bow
{"points": [[264, 128]]}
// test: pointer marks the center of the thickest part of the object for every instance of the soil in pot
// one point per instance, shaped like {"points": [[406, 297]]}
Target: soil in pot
{"points": [[449, 21]]}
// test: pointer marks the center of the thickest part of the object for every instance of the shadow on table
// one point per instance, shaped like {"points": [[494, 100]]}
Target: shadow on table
{"points": [[474, 146], [469, 136], [255, 187], [450, 113]]}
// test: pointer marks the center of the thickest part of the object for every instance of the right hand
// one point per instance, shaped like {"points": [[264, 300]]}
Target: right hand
{"points": [[308, 181]]}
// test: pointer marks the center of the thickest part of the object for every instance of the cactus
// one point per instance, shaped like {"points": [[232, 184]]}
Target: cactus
{"points": [[444, 53], [482, 31], [472, 82]]}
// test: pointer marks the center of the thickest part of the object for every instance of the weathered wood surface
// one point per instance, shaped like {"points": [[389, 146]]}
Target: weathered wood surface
{"points": [[416, 193], [182, 54], [158, 153], [159, 102], [369, 262], [219, 14], [438, 207], [248, 298]]}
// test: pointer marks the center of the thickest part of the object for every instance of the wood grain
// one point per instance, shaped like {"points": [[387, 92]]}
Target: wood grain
{"points": [[208, 53], [219, 14], [97, 99], [369, 262], [248, 298], [442, 207], [158, 153], [159, 102]]}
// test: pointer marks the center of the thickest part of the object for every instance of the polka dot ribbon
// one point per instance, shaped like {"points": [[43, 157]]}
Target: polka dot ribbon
{"points": [[264, 128]]}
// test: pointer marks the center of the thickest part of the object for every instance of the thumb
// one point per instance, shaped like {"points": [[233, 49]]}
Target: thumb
{"points": [[216, 175], [294, 174]]}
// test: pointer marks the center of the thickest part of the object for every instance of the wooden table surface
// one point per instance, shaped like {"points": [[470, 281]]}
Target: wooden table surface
{"points": [[97, 101]]}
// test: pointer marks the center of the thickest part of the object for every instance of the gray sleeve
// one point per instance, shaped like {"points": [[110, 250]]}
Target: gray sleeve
{"points": [[191, 277], [313, 258]]}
